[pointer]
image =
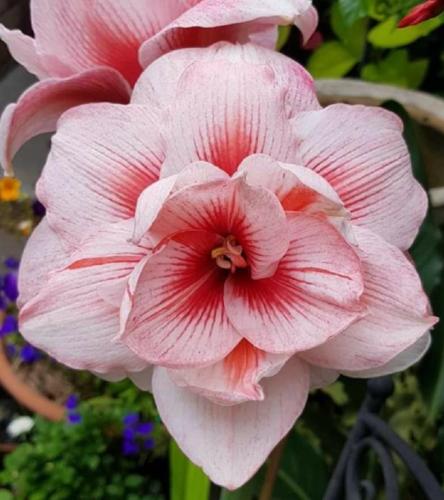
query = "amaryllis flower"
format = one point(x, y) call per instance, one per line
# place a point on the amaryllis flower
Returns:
point(422, 12)
point(93, 51)
point(228, 244)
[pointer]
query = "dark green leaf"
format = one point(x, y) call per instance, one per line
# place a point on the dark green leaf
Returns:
point(352, 10)
point(352, 36)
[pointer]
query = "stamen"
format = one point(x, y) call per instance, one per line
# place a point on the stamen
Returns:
point(229, 255)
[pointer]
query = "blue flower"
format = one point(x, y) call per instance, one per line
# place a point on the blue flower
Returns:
point(74, 418)
point(10, 286)
point(131, 419)
point(145, 428)
point(72, 402)
point(29, 354)
point(12, 263)
point(9, 326)
point(2, 300)
point(148, 444)
point(130, 448)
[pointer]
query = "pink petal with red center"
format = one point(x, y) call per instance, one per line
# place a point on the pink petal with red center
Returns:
point(235, 379)
point(161, 81)
point(313, 296)
point(234, 20)
point(253, 216)
point(299, 189)
point(70, 319)
point(176, 315)
point(362, 154)
point(86, 34)
point(103, 156)
point(398, 312)
point(151, 201)
point(39, 108)
point(230, 443)
point(43, 254)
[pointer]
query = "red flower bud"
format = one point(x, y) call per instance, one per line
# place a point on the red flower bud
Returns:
point(422, 12)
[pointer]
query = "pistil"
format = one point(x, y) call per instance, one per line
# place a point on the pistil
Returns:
point(229, 255)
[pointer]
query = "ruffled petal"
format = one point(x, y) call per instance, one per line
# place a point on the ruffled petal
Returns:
point(230, 443)
point(39, 108)
point(398, 312)
point(253, 216)
point(103, 33)
point(43, 254)
point(314, 294)
point(103, 156)
point(233, 380)
point(70, 319)
point(176, 315)
point(237, 21)
point(361, 152)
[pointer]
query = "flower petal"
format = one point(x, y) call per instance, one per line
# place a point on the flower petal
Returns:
point(400, 362)
point(398, 311)
point(70, 319)
point(314, 294)
point(239, 21)
point(363, 155)
point(231, 442)
point(252, 215)
point(102, 33)
point(43, 254)
point(103, 156)
point(39, 108)
point(177, 315)
point(233, 380)
point(161, 81)
point(151, 201)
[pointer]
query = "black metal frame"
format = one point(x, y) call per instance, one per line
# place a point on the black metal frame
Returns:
point(372, 433)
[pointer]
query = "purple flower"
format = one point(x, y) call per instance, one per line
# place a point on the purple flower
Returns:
point(12, 263)
point(2, 300)
point(72, 402)
point(9, 326)
point(11, 350)
point(74, 418)
point(38, 209)
point(128, 433)
point(10, 286)
point(148, 444)
point(29, 354)
point(130, 448)
point(131, 419)
point(145, 428)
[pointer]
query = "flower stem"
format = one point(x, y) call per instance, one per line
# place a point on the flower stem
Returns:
point(272, 470)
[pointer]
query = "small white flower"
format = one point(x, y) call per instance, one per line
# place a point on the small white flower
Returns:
point(19, 425)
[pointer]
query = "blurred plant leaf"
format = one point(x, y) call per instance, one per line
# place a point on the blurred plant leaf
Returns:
point(387, 35)
point(187, 481)
point(331, 60)
point(383, 9)
point(427, 249)
point(396, 69)
point(284, 35)
point(352, 10)
point(303, 474)
point(353, 36)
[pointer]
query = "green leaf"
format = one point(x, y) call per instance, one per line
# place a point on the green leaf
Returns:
point(387, 35)
point(396, 69)
point(6, 495)
point(352, 10)
point(331, 60)
point(187, 481)
point(353, 36)
point(284, 35)
point(303, 474)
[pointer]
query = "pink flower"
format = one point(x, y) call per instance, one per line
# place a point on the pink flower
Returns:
point(87, 51)
point(229, 244)
point(422, 12)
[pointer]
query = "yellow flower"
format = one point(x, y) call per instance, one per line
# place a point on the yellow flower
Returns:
point(9, 189)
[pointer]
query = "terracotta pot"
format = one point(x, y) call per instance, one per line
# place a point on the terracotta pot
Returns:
point(24, 394)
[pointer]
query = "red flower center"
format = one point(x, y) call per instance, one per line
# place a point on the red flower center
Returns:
point(229, 255)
